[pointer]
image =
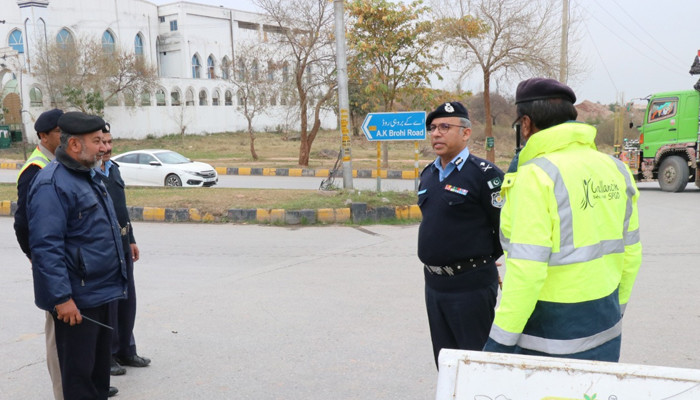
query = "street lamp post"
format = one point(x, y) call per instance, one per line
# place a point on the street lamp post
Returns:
point(343, 97)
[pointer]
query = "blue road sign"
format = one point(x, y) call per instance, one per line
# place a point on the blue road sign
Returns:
point(395, 126)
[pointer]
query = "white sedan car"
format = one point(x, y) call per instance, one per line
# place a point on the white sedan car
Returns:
point(164, 168)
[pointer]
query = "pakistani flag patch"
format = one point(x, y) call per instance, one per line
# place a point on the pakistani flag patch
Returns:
point(495, 183)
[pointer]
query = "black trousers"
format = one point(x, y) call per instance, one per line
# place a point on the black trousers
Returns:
point(461, 308)
point(123, 313)
point(84, 355)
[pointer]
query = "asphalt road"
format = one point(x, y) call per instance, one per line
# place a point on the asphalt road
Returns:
point(279, 182)
point(336, 312)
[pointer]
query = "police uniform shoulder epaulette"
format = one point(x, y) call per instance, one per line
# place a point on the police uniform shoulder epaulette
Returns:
point(483, 165)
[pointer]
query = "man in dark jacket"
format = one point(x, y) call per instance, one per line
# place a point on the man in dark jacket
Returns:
point(49, 134)
point(123, 311)
point(78, 262)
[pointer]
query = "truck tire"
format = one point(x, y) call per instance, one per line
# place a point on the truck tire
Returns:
point(673, 174)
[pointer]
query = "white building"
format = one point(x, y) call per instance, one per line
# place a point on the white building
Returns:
point(190, 44)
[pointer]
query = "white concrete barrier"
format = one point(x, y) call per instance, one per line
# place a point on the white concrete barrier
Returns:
point(471, 375)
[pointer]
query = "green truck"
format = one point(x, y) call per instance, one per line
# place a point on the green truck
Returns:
point(668, 149)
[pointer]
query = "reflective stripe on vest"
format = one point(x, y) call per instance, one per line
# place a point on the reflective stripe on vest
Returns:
point(555, 346)
point(568, 253)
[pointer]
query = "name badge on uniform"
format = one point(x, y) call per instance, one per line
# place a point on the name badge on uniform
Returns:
point(455, 189)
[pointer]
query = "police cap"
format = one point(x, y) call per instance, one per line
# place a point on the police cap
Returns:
point(79, 123)
point(47, 121)
point(541, 89)
point(451, 109)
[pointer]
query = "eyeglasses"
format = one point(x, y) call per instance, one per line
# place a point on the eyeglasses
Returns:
point(442, 128)
point(516, 124)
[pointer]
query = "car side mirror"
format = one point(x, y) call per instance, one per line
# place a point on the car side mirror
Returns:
point(155, 163)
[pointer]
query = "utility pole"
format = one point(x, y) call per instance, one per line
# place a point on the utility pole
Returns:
point(343, 97)
point(563, 59)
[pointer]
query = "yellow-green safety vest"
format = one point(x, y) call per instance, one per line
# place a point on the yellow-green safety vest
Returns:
point(570, 234)
point(36, 158)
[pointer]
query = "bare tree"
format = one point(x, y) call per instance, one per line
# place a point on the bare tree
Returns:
point(85, 75)
point(503, 38)
point(256, 78)
point(304, 31)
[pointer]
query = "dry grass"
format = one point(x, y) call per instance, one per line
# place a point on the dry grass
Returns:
point(218, 200)
point(279, 151)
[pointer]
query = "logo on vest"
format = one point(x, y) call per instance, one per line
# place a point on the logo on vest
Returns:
point(598, 191)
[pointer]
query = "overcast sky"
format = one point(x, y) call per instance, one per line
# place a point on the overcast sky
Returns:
point(632, 47)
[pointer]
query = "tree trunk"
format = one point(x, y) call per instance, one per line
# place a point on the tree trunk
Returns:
point(488, 126)
point(304, 150)
point(304, 144)
point(252, 140)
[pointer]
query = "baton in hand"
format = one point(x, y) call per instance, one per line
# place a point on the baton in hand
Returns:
point(55, 313)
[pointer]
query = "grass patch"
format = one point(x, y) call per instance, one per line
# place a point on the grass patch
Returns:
point(232, 149)
point(219, 200)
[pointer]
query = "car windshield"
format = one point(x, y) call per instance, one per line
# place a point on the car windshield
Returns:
point(171, 157)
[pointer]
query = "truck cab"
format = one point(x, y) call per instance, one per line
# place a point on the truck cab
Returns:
point(668, 140)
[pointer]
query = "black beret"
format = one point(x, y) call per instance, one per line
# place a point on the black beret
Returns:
point(541, 89)
point(451, 109)
point(78, 123)
point(47, 121)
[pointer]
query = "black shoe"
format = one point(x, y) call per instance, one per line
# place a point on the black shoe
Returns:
point(134, 361)
point(116, 369)
point(112, 391)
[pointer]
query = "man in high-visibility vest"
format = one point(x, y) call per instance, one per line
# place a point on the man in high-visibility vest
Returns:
point(46, 127)
point(49, 134)
point(570, 233)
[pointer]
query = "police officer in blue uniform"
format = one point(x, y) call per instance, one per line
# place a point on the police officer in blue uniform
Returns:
point(123, 311)
point(459, 197)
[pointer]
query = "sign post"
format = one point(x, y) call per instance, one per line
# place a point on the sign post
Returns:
point(408, 125)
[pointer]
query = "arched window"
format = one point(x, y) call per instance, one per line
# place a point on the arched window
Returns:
point(241, 70)
point(202, 98)
point(254, 70)
point(35, 97)
point(129, 98)
point(225, 68)
point(189, 97)
point(210, 68)
point(215, 97)
point(196, 67)
point(175, 97)
point(63, 38)
point(270, 71)
point(160, 97)
point(138, 45)
point(228, 98)
point(16, 41)
point(285, 72)
point(108, 42)
point(146, 99)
